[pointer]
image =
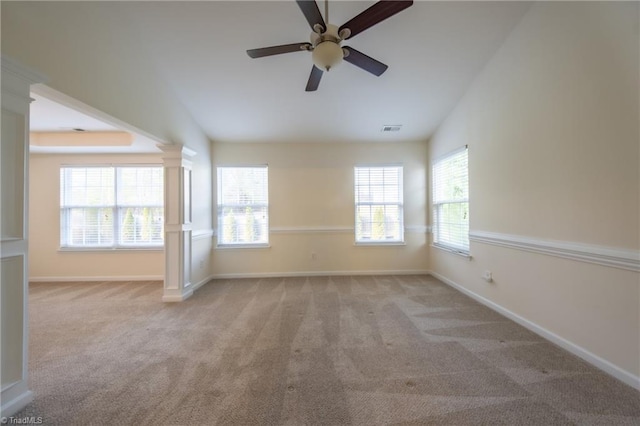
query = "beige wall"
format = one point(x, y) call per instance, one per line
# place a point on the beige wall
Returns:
point(552, 128)
point(311, 209)
point(46, 261)
point(118, 79)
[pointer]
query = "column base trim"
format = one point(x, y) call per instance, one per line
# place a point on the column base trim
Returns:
point(177, 297)
point(15, 404)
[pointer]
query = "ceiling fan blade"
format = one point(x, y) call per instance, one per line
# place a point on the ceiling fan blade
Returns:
point(314, 79)
point(377, 13)
point(310, 11)
point(365, 62)
point(277, 50)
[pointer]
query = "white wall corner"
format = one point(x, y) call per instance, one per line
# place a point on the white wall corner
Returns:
point(200, 283)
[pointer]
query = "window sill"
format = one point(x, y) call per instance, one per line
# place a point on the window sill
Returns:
point(379, 243)
point(109, 249)
point(242, 246)
point(452, 250)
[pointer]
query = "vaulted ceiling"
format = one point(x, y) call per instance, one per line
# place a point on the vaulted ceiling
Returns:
point(433, 50)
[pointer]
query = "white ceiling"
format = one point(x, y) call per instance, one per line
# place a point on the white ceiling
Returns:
point(433, 49)
point(50, 116)
point(47, 115)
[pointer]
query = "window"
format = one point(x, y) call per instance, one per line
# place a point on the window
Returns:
point(111, 207)
point(379, 212)
point(243, 206)
point(450, 191)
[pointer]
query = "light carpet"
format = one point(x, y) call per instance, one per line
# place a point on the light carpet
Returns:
point(366, 350)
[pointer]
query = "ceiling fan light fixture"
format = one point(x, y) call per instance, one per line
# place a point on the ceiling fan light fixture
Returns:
point(325, 38)
point(327, 55)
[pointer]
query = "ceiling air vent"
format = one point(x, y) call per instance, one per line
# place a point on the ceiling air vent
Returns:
point(391, 128)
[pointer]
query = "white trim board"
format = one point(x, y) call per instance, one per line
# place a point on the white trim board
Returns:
point(410, 229)
point(319, 274)
point(202, 234)
point(310, 229)
point(92, 279)
point(595, 360)
point(420, 229)
point(173, 298)
point(11, 407)
point(599, 255)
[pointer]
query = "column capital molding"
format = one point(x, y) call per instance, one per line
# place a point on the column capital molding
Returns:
point(176, 152)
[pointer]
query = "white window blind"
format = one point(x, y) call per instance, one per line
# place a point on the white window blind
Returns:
point(379, 204)
point(450, 192)
point(243, 205)
point(111, 207)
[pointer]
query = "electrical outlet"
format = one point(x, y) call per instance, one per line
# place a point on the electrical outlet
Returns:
point(487, 276)
point(314, 255)
point(201, 264)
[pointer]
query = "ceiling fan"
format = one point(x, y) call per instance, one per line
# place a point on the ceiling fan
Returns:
point(326, 38)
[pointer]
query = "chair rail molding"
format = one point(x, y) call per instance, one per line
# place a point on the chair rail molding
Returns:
point(310, 229)
point(599, 255)
point(335, 229)
point(202, 234)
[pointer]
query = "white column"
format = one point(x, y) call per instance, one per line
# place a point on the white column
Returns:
point(177, 222)
point(14, 272)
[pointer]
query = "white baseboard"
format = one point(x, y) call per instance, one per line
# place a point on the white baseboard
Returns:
point(579, 351)
point(177, 297)
point(106, 278)
point(15, 404)
point(317, 274)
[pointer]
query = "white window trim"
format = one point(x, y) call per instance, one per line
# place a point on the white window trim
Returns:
point(401, 240)
point(241, 245)
point(462, 253)
point(110, 249)
point(451, 248)
point(116, 225)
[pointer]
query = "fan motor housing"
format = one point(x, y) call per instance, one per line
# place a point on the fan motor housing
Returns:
point(331, 34)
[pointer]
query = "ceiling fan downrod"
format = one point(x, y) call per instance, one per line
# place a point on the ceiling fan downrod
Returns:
point(326, 11)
